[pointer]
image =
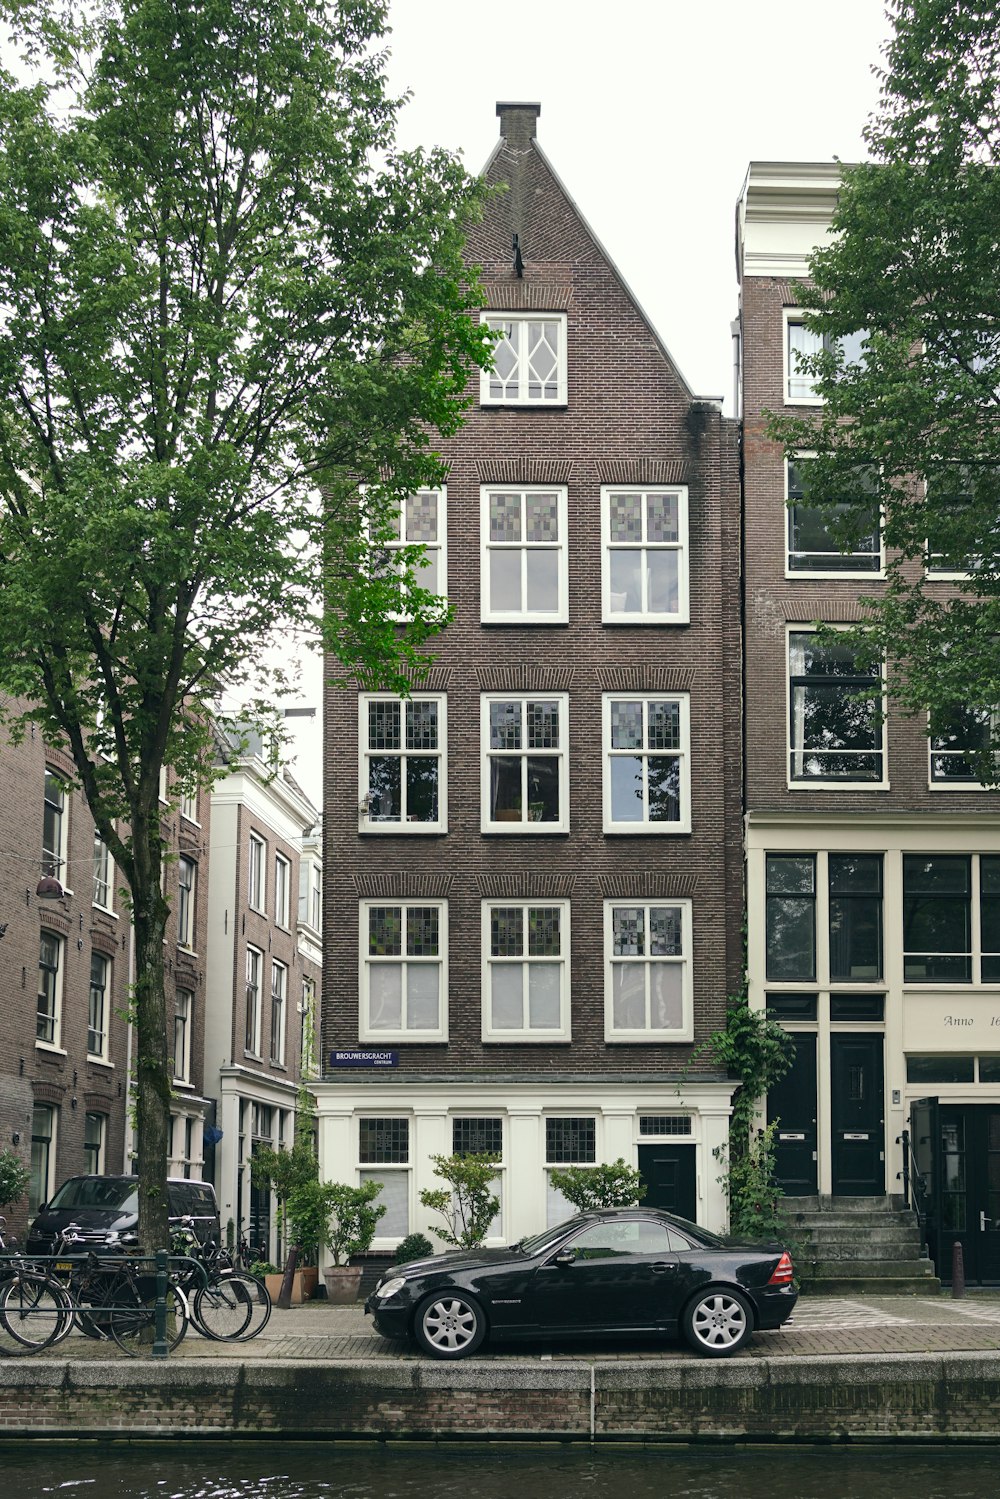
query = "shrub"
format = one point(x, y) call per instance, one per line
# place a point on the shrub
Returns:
point(467, 1204)
point(609, 1186)
point(352, 1218)
point(14, 1178)
point(755, 1199)
point(413, 1247)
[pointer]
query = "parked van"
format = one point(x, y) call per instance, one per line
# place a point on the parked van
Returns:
point(106, 1208)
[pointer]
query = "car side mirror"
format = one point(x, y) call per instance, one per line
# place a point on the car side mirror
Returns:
point(564, 1257)
point(42, 1206)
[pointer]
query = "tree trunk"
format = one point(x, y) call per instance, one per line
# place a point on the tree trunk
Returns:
point(152, 1069)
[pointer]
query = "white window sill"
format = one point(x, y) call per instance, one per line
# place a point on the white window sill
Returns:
point(532, 1038)
point(557, 617)
point(401, 1038)
point(947, 786)
point(560, 403)
point(803, 400)
point(257, 910)
point(809, 575)
point(186, 952)
point(105, 910)
point(180, 1082)
point(645, 619)
point(639, 1038)
point(253, 1056)
point(51, 1048)
point(96, 1061)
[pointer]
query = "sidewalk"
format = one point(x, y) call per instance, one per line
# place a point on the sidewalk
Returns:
point(820, 1327)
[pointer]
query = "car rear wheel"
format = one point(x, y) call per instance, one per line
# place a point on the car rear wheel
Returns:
point(718, 1322)
point(451, 1325)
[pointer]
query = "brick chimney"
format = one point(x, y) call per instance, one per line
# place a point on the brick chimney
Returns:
point(517, 123)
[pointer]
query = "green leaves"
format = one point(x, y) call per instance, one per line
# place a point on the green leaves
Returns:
point(614, 1185)
point(912, 261)
point(467, 1203)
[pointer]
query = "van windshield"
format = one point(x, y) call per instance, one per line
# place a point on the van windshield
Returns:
point(98, 1192)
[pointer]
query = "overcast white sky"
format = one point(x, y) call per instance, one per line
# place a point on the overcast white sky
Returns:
point(651, 111)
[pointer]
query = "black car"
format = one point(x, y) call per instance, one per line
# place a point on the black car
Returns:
point(611, 1271)
point(104, 1209)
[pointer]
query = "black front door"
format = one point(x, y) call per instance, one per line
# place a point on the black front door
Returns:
point(669, 1173)
point(857, 1119)
point(792, 1102)
point(969, 1188)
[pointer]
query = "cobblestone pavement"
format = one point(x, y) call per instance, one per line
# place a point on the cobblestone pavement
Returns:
point(820, 1326)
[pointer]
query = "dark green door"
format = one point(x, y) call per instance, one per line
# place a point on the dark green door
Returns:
point(671, 1182)
point(792, 1102)
point(969, 1183)
point(857, 1110)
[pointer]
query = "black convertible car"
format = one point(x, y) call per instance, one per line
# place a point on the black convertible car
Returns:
point(612, 1271)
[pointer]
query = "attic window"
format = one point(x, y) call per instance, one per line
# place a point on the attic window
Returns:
point(529, 361)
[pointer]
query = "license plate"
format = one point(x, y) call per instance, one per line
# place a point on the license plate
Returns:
point(64, 1264)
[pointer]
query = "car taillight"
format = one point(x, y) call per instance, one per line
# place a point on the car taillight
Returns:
point(783, 1273)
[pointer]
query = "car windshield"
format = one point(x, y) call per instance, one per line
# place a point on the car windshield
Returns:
point(98, 1192)
point(546, 1237)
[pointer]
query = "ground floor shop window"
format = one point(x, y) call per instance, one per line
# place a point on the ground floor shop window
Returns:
point(384, 1157)
point(568, 1142)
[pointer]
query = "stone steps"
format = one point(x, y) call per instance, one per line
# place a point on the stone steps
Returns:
point(857, 1245)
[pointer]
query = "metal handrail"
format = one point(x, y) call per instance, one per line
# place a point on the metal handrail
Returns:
point(915, 1194)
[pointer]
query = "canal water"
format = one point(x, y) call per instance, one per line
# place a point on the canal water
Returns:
point(325, 1470)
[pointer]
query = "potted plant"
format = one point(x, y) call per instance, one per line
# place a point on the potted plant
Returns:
point(351, 1219)
point(308, 1217)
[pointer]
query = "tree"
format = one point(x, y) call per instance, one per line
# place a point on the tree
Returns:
point(913, 422)
point(616, 1185)
point(14, 1178)
point(223, 291)
point(467, 1203)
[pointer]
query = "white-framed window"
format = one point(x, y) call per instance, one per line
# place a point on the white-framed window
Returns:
point(94, 1129)
point(282, 889)
point(54, 820)
point(526, 969)
point(257, 873)
point(102, 873)
point(99, 1006)
point(569, 1141)
point(529, 360)
point(835, 732)
point(183, 1021)
point(423, 521)
point(404, 970)
point(187, 877)
point(384, 1157)
point(189, 805)
point(525, 769)
point(953, 740)
point(402, 780)
point(279, 1011)
point(647, 947)
point(524, 571)
point(799, 342)
point(812, 546)
point(48, 1025)
point(647, 762)
point(44, 1133)
point(255, 965)
point(644, 559)
point(955, 553)
point(482, 1135)
point(311, 894)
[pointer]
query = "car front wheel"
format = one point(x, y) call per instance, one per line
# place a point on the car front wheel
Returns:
point(718, 1322)
point(450, 1325)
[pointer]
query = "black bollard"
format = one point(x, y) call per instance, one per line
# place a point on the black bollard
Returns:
point(957, 1272)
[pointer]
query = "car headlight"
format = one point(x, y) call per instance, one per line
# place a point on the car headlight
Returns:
point(390, 1287)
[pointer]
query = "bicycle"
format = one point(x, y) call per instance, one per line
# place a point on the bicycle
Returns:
point(33, 1310)
point(228, 1305)
point(116, 1297)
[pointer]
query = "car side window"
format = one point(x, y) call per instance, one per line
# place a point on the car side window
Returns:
point(610, 1240)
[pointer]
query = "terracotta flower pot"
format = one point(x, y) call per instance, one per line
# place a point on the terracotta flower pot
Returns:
point(343, 1282)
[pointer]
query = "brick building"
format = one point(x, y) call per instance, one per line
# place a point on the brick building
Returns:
point(873, 856)
point(533, 889)
point(65, 1045)
point(263, 974)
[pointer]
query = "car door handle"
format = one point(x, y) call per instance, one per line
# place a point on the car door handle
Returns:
point(662, 1267)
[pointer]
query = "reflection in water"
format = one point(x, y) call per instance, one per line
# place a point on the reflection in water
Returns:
point(326, 1470)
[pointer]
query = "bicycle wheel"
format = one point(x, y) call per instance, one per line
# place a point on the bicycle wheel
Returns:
point(33, 1313)
point(132, 1318)
point(223, 1309)
point(260, 1303)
